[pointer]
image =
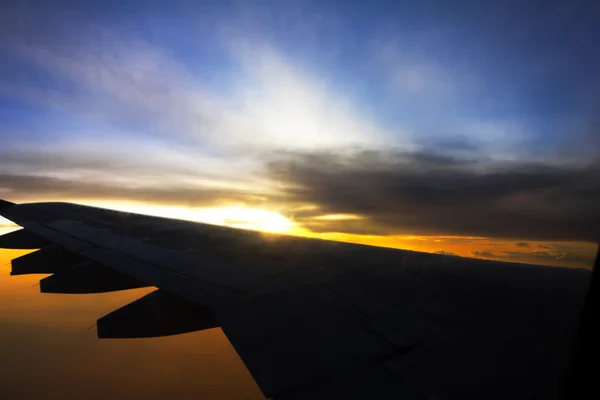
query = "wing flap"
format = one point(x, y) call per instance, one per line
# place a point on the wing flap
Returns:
point(48, 260)
point(88, 277)
point(156, 314)
point(22, 240)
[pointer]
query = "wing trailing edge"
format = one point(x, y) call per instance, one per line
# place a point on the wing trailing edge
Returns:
point(88, 277)
point(156, 314)
point(48, 260)
point(22, 240)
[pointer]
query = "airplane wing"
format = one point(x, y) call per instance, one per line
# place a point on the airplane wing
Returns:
point(315, 319)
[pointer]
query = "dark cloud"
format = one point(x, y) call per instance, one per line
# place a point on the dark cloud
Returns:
point(535, 255)
point(356, 226)
point(539, 257)
point(545, 246)
point(566, 258)
point(445, 253)
point(426, 193)
point(463, 240)
point(523, 244)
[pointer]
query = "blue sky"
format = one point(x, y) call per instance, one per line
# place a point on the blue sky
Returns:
point(211, 103)
point(513, 76)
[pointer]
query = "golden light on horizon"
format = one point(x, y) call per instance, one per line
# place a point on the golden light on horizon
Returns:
point(572, 254)
point(338, 217)
point(235, 216)
point(247, 218)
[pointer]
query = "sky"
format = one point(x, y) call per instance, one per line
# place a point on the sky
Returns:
point(462, 127)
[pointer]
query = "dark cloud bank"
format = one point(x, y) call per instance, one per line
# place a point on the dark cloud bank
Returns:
point(425, 193)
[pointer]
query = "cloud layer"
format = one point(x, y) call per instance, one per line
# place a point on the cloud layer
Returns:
point(368, 192)
point(423, 193)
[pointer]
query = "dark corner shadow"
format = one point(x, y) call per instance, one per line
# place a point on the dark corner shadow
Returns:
point(582, 374)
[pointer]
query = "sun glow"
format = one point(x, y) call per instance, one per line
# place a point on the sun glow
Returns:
point(247, 218)
point(233, 216)
point(337, 217)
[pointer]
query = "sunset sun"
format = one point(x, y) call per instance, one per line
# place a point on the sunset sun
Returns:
point(247, 218)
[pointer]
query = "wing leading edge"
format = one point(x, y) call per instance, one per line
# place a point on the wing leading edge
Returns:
point(319, 319)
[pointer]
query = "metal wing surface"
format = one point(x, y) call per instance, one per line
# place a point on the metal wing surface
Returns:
point(315, 319)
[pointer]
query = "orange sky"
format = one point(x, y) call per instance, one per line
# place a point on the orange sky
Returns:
point(48, 350)
point(564, 254)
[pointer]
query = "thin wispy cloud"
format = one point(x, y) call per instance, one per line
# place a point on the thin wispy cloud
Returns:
point(134, 86)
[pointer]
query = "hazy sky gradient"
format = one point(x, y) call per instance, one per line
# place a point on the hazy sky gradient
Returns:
point(417, 118)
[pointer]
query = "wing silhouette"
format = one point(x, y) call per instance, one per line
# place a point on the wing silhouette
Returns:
point(316, 319)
